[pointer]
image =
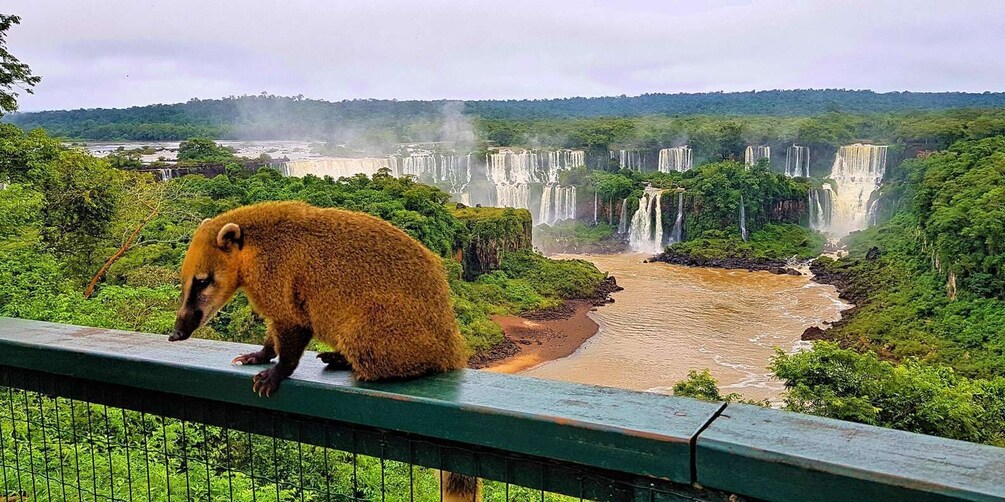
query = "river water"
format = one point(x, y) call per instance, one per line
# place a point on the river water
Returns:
point(671, 319)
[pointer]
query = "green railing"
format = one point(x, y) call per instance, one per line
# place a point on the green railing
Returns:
point(93, 414)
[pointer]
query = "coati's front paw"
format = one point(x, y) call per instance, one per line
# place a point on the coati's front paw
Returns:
point(266, 382)
point(252, 358)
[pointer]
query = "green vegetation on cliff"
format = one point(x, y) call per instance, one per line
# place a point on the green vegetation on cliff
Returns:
point(492, 232)
point(773, 242)
point(930, 283)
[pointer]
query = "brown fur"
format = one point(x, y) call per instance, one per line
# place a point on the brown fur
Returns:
point(459, 488)
point(364, 287)
point(378, 297)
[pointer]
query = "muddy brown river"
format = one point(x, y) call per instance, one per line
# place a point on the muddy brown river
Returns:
point(671, 319)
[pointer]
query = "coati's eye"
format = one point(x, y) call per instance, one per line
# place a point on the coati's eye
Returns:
point(201, 283)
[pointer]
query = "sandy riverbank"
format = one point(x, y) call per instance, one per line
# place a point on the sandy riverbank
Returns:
point(532, 341)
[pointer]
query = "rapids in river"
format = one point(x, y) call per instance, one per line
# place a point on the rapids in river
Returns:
point(671, 319)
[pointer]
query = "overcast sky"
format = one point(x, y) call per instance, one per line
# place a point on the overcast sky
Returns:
point(115, 53)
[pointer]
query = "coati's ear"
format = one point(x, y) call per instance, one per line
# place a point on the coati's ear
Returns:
point(228, 236)
point(203, 222)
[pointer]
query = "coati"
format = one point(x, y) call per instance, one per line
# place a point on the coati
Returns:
point(367, 289)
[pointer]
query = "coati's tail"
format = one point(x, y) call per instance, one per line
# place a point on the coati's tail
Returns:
point(460, 488)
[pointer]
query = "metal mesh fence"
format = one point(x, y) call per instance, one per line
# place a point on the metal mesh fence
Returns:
point(66, 439)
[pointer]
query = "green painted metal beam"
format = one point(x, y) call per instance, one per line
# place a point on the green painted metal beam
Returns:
point(618, 430)
point(757, 452)
point(776, 455)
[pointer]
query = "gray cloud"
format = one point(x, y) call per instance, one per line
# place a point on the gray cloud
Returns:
point(114, 53)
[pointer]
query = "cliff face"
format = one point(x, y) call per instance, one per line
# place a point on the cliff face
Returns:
point(788, 211)
point(492, 232)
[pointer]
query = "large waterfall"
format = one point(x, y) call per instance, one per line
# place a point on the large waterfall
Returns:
point(338, 167)
point(676, 159)
point(797, 161)
point(677, 234)
point(453, 171)
point(557, 203)
point(857, 172)
point(630, 159)
point(755, 153)
point(646, 233)
point(529, 166)
point(512, 171)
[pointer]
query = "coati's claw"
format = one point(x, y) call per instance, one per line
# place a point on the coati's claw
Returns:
point(250, 359)
point(266, 382)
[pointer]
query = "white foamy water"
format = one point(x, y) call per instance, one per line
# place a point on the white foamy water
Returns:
point(671, 319)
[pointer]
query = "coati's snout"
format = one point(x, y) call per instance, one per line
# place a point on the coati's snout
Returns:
point(209, 276)
point(186, 323)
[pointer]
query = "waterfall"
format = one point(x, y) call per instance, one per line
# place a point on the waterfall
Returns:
point(629, 159)
point(676, 159)
point(677, 235)
point(452, 171)
point(558, 203)
point(623, 224)
point(743, 220)
point(547, 206)
point(871, 215)
point(595, 197)
point(857, 172)
point(797, 161)
point(820, 207)
point(570, 202)
point(645, 234)
point(338, 167)
point(516, 195)
point(166, 174)
point(513, 171)
point(562, 160)
point(755, 153)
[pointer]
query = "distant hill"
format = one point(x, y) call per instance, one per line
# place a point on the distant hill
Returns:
point(276, 117)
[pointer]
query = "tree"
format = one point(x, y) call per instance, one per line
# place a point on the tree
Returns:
point(14, 75)
point(203, 150)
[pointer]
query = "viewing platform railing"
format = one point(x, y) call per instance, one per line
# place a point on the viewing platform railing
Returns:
point(95, 414)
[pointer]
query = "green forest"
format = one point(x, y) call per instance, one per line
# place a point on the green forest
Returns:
point(808, 117)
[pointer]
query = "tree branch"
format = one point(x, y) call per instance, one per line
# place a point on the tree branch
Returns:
point(118, 254)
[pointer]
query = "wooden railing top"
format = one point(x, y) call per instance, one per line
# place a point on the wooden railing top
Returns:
point(758, 452)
